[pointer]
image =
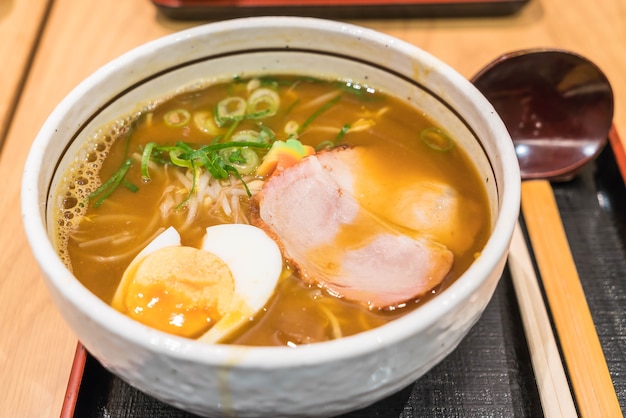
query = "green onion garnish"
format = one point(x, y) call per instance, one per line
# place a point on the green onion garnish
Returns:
point(177, 118)
point(111, 184)
point(230, 109)
point(262, 103)
point(436, 139)
point(344, 130)
point(145, 158)
point(319, 111)
point(220, 160)
point(130, 186)
point(194, 183)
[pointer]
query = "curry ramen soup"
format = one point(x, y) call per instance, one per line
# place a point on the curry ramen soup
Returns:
point(203, 157)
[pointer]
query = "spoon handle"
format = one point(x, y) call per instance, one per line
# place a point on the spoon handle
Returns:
point(554, 391)
point(586, 365)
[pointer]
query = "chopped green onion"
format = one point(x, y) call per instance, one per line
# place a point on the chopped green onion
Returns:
point(436, 139)
point(130, 186)
point(241, 158)
point(253, 84)
point(111, 184)
point(319, 111)
point(270, 82)
point(234, 155)
point(194, 182)
point(201, 157)
point(263, 103)
point(344, 130)
point(177, 118)
point(324, 145)
point(215, 165)
point(261, 114)
point(244, 160)
point(236, 174)
point(247, 135)
point(214, 147)
point(184, 147)
point(177, 157)
point(332, 144)
point(292, 105)
point(230, 109)
point(266, 135)
point(145, 160)
point(231, 130)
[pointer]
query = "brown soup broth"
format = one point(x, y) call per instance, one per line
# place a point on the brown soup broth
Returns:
point(98, 243)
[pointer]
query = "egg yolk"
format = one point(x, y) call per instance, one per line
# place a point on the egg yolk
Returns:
point(180, 290)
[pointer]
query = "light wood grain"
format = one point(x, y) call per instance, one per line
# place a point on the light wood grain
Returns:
point(20, 23)
point(554, 392)
point(36, 348)
point(586, 365)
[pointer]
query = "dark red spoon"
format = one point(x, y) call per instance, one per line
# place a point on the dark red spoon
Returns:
point(557, 106)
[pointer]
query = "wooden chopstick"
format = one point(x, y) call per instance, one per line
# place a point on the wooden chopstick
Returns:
point(554, 392)
point(586, 365)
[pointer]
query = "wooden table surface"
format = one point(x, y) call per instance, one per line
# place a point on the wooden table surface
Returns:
point(49, 46)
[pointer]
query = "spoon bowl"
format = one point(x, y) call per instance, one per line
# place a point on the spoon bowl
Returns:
point(557, 106)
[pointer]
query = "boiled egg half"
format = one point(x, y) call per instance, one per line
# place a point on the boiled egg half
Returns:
point(204, 293)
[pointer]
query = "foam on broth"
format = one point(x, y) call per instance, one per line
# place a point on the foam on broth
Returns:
point(98, 243)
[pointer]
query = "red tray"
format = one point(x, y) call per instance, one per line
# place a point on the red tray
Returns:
point(378, 9)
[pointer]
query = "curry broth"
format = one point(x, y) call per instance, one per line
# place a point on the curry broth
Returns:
point(101, 242)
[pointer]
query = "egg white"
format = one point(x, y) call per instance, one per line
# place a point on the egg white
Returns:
point(253, 258)
point(256, 264)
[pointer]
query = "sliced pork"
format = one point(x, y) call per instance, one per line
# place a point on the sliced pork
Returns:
point(316, 214)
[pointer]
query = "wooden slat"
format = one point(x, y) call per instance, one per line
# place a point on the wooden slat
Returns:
point(554, 392)
point(20, 25)
point(586, 365)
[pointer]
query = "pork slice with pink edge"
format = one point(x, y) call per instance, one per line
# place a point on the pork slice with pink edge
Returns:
point(328, 235)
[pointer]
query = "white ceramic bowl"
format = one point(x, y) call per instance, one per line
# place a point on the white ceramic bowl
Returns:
point(317, 380)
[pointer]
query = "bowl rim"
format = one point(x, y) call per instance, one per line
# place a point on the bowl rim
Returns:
point(58, 276)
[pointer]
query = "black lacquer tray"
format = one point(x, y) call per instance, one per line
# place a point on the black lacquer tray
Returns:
point(490, 373)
